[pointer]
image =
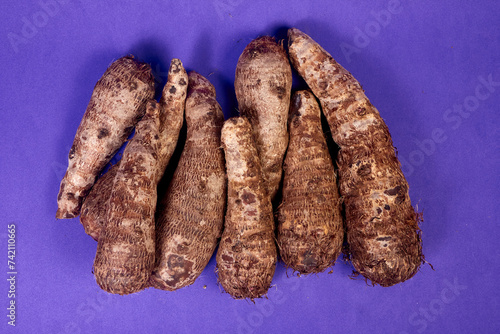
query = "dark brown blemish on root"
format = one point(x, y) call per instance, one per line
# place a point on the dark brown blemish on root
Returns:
point(182, 82)
point(365, 170)
point(70, 196)
point(133, 86)
point(227, 258)
point(280, 91)
point(175, 261)
point(393, 192)
point(72, 152)
point(379, 210)
point(399, 192)
point(248, 198)
point(172, 90)
point(387, 207)
point(361, 111)
point(103, 132)
point(384, 238)
point(182, 247)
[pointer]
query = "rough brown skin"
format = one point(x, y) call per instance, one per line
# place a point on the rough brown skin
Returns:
point(126, 245)
point(310, 227)
point(94, 208)
point(246, 258)
point(117, 103)
point(382, 226)
point(191, 215)
point(263, 83)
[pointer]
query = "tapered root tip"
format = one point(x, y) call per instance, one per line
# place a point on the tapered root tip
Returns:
point(176, 66)
point(199, 84)
point(62, 214)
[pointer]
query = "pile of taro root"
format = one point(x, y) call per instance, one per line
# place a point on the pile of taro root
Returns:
point(256, 185)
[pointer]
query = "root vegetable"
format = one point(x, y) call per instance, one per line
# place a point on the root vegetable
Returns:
point(117, 103)
point(382, 226)
point(310, 227)
point(190, 216)
point(263, 83)
point(94, 208)
point(126, 245)
point(246, 259)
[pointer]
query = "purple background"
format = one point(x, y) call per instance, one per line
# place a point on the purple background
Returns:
point(422, 66)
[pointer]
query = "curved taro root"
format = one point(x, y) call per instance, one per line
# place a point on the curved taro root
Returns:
point(310, 227)
point(126, 245)
point(117, 103)
point(246, 258)
point(382, 226)
point(95, 206)
point(191, 215)
point(263, 84)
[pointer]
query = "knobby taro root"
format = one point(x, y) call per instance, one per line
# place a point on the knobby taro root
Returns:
point(126, 244)
point(310, 227)
point(382, 226)
point(95, 206)
point(263, 83)
point(117, 103)
point(190, 216)
point(247, 254)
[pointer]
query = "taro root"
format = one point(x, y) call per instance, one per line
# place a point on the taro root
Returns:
point(310, 227)
point(117, 103)
point(247, 254)
point(126, 244)
point(381, 225)
point(263, 83)
point(191, 215)
point(172, 102)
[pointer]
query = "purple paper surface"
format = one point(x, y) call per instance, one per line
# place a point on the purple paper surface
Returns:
point(431, 68)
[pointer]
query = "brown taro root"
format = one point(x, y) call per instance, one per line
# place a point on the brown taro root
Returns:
point(382, 226)
point(310, 227)
point(247, 254)
point(117, 103)
point(190, 216)
point(126, 245)
point(94, 208)
point(263, 83)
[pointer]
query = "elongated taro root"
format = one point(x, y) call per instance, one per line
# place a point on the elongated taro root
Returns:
point(263, 83)
point(117, 103)
point(382, 226)
point(310, 227)
point(126, 245)
point(191, 215)
point(95, 206)
point(247, 254)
